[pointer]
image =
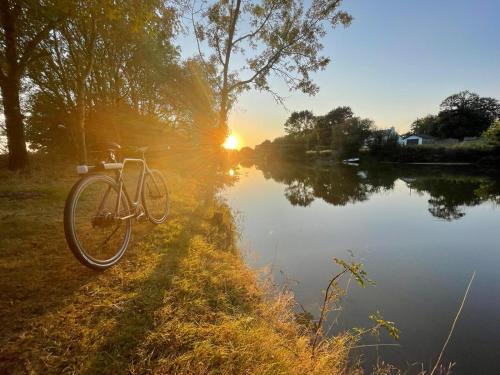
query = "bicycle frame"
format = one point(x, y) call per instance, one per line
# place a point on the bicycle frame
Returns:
point(135, 204)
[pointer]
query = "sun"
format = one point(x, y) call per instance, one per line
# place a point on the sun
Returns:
point(231, 142)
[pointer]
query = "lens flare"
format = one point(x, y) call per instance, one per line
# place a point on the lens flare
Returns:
point(231, 142)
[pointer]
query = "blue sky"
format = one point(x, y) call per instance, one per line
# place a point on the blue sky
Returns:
point(397, 61)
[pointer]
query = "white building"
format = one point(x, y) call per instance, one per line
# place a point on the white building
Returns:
point(417, 139)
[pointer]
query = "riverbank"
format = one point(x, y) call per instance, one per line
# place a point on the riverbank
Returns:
point(477, 152)
point(181, 301)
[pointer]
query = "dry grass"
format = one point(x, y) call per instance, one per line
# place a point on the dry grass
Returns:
point(181, 301)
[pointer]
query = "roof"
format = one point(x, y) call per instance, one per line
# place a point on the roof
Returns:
point(423, 136)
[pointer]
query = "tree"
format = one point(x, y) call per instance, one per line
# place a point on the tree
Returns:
point(426, 125)
point(337, 116)
point(467, 114)
point(383, 144)
point(23, 25)
point(300, 123)
point(492, 134)
point(327, 123)
point(102, 68)
point(272, 37)
point(349, 136)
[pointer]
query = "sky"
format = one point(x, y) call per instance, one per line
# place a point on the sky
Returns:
point(396, 62)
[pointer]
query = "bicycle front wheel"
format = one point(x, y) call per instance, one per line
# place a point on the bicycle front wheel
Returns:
point(96, 232)
point(155, 197)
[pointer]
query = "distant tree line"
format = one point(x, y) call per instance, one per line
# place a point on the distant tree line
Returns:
point(338, 130)
point(462, 115)
point(341, 134)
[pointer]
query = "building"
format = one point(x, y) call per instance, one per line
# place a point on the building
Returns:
point(417, 139)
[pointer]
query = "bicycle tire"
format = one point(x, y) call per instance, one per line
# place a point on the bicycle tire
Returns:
point(72, 236)
point(157, 211)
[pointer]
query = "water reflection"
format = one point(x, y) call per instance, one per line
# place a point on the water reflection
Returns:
point(420, 231)
point(450, 189)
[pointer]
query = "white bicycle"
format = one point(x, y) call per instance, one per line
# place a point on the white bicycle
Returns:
point(99, 211)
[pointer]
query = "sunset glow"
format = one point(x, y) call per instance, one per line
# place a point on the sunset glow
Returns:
point(231, 142)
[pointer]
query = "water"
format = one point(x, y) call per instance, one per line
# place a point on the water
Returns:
point(420, 231)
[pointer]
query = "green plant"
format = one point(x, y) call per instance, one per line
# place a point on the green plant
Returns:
point(492, 134)
point(334, 292)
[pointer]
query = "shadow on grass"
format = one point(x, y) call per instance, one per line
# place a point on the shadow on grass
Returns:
point(37, 270)
point(137, 319)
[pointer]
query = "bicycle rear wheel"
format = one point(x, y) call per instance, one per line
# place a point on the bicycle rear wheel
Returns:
point(155, 197)
point(94, 234)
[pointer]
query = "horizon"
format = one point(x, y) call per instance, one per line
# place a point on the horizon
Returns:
point(387, 68)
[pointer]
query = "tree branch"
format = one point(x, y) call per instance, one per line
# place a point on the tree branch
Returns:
point(30, 47)
point(270, 62)
point(217, 47)
point(198, 44)
point(274, 58)
point(254, 33)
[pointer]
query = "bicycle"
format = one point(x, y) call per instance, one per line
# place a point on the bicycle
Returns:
point(98, 212)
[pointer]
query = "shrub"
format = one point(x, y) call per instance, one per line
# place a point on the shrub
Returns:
point(492, 134)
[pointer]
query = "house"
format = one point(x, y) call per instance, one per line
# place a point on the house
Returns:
point(417, 139)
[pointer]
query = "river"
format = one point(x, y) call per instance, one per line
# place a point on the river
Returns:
point(420, 231)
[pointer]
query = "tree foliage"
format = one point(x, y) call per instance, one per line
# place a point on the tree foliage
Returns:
point(280, 38)
point(23, 26)
point(336, 116)
point(462, 115)
point(426, 125)
point(99, 67)
point(467, 114)
point(110, 72)
point(350, 135)
point(300, 122)
point(328, 122)
point(102, 60)
point(492, 135)
point(339, 130)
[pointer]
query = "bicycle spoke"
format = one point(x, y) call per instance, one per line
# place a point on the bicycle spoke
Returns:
point(95, 228)
point(110, 235)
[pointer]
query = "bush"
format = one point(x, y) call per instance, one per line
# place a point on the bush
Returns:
point(435, 154)
point(492, 134)
point(383, 146)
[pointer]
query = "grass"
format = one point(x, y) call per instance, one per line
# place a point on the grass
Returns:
point(181, 301)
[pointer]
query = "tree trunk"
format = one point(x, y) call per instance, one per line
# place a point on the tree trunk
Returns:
point(80, 122)
point(10, 76)
point(18, 154)
point(224, 105)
